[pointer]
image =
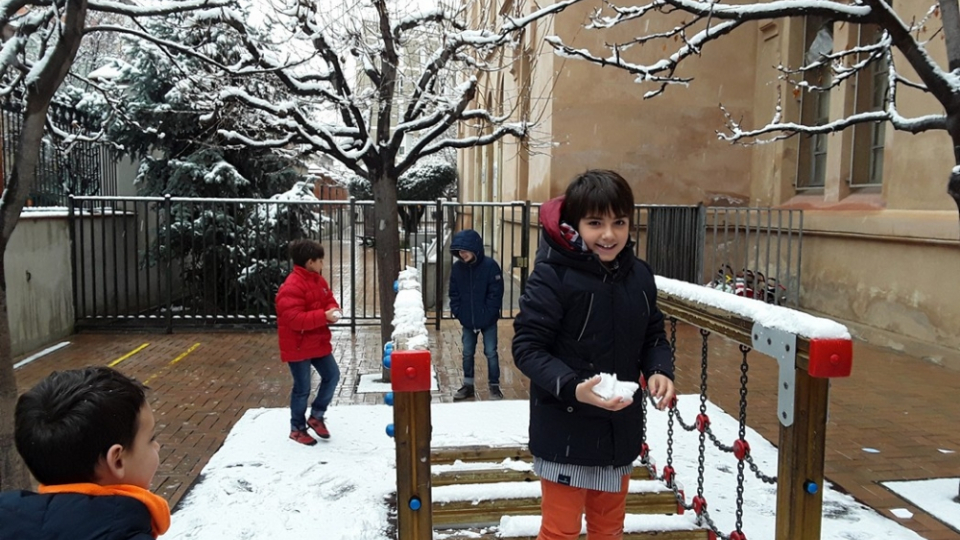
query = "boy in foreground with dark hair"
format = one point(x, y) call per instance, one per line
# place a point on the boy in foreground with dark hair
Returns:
point(87, 436)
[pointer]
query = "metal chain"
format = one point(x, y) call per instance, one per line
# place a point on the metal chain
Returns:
point(756, 470)
point(672, 412)
point(683, 424)
point(713, 526)
point(670, 415)
point(701, 446)
point(744, 366)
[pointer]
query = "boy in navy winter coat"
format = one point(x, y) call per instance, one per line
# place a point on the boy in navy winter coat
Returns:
point(87, 436)
point(589, 307)
point(476, 293)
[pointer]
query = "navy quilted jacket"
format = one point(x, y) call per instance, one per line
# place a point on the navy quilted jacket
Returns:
point(476, 288)
point(577, 319)
point(25, 515)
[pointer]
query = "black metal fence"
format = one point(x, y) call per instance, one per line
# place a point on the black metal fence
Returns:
point(85, 168)
point(183, 262)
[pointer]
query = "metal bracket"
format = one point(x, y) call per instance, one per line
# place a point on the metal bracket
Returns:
point(781, 345)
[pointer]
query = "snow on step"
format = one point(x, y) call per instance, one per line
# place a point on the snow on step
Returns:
point(519, 490)
point(528, 526)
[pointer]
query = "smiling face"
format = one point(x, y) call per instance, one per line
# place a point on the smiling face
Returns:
point(605, 235)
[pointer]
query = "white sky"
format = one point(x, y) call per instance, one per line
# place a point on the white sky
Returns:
point(262, 485)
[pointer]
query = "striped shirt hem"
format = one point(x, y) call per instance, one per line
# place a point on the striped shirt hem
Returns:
point(606, 478)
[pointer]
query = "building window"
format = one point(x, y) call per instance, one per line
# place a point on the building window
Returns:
point(814, 106)
point(866, 167)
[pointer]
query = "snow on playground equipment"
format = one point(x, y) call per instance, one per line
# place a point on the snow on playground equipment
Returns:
point(809, 351)
point(408, 360)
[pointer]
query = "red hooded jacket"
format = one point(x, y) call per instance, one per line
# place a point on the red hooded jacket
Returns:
point(302, 303)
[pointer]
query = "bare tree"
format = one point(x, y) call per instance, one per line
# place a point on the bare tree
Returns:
point(377, 87)
point(43, 40)
point(704, 22)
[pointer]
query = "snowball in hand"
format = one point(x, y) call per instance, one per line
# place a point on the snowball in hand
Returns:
point(609, 387)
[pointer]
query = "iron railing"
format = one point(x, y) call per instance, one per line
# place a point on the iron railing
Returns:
point(173, 262)
point(86, 168)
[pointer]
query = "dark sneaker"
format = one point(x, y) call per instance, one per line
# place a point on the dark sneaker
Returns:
point(465, 392)
point(302, 437)
point(317, 425)
point(495, 393)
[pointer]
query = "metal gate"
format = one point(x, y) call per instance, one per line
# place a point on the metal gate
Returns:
point(172, 262)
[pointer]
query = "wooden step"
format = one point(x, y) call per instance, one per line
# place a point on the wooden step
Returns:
point(481, 476)
point(636, 527)
point(479, 453)
point(466, 513)
point(493, 474)
point(485, 534)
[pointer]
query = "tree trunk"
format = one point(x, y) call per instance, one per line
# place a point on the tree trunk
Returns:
point(387, 237)
point(953, 185)
point(39, 92)
point(13, 473)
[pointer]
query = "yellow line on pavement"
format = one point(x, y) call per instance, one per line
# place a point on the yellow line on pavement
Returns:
point(128, 355)
point(172, 362)
point(184, 355)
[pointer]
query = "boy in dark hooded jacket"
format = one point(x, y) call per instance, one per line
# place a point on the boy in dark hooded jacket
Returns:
point(87, 435)
point(476, 293)
point(589, 307)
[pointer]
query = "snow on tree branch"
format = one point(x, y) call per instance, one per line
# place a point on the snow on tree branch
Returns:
point(717, 19)
point(153, 8)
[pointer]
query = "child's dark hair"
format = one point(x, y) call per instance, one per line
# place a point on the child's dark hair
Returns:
point(597, 192)
point(65, 424)
point(303, 251)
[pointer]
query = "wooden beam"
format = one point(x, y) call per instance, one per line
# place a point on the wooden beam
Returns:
point(411, 419)
point(488, 512)
point(503, 474)
point(801, 456)
point(472, 534)
point(473, 454)
point(719, 321)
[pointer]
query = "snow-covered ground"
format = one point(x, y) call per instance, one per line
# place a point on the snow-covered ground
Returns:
point(260, 485)
point(936, 496)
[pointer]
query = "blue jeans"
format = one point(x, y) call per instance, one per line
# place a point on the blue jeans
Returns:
point(489, 350)
point(329, 377)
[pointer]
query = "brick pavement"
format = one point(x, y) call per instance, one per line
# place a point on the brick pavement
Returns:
point(203, 382)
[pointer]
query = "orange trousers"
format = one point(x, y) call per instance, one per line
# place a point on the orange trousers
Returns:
point(563, 508)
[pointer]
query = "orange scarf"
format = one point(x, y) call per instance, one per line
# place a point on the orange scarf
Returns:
point(158, 507)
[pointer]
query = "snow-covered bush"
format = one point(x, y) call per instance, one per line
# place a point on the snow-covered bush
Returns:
point(164, 109)
point(425, 181)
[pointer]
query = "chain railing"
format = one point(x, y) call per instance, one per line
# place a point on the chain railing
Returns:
point(809, 351)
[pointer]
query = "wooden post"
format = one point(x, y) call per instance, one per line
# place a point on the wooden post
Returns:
point(411, 417)
point(410, 380)
point(801, 456)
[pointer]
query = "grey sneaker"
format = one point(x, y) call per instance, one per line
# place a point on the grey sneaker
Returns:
point(465, 392)
point(495, 393)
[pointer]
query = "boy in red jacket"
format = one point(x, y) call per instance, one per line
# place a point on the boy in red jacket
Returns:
point(305, 309)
